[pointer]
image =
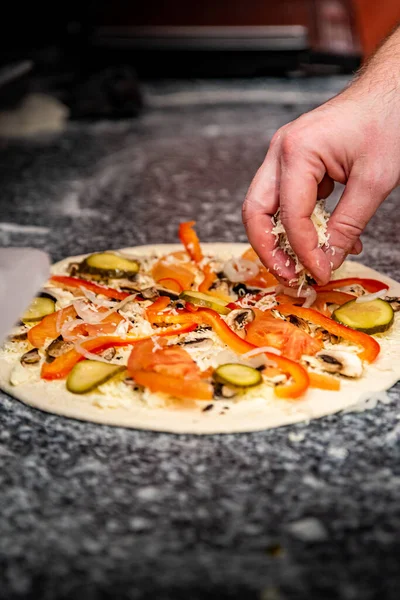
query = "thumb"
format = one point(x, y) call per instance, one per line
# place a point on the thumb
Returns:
point(359, 202)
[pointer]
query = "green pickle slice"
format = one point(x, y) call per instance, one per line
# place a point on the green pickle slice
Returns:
point(206, 300)
point(237, 375)
point(373, 316)
point(87, 375)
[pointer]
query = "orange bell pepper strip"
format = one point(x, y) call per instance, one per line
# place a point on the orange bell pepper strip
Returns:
point(171, 284)
point(158, 305)
point(50, 326)
point(65, 281)
point(371, 285)
point(323, 382)
point(189, 239)
point(209, 278)
point(62, 365)
point(300, 378)
point(193, 389)
point(369, 345)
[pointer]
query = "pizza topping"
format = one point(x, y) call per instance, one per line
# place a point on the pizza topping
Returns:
point(370, 347)
point(207, 300)
point(394, 303)
point(371, 285)
point(368, 297)
point(237, 375)
point(89, 374)
point(76, 284)
point(373, 316)
point(57, 347)
point(189, 239)
point(39, 308)
point(347, 364)
point(31, 357)
point(240, 269)
point(108, 265)
point(239, 318)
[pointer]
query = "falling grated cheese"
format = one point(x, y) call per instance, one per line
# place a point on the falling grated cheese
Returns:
point(319, 218)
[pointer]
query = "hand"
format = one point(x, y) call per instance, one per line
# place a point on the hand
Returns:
point(353, 139)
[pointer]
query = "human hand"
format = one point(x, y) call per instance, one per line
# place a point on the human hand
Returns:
point(353, 139)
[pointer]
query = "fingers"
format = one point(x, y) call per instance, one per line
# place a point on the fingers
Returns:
point(357, 205)
point(326, 187)
point(357, 248)
point(298, 195)
point(262, 201)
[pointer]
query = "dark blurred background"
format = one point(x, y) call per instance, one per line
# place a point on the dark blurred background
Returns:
point(93, 55)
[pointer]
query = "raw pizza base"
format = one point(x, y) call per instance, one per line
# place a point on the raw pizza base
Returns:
point(252, 414)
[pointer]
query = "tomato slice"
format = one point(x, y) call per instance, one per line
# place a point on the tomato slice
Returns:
point(194, 389)
point(168, 369)
point(169, 360)
point(49, 327)
point(264, 278)
point(266, 330)
point(63, 364)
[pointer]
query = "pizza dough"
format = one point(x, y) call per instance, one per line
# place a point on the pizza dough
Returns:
point(260, 410)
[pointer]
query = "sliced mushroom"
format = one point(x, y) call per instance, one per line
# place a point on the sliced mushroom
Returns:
point(73, 268)
point(221, 285)
point(109, 353)
point(30, 358)
point(238, 319)
point(201, 342)
point(58, 347)
point(224, 391)
point(337, 361)
point(394, 303)
point(326, 336)
point(19, 334)
point(241, 290)
point(300, 323)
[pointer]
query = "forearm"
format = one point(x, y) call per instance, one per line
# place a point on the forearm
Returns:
point(381, 72)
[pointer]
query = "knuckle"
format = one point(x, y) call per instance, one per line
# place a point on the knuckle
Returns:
point(291, 144)
point(349, 228)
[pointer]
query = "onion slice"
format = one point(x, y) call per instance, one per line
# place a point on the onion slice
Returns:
point(240, 269)
point(261, 350)
point(370, 297)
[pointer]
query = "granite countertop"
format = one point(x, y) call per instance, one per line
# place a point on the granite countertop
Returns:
point(89, 511)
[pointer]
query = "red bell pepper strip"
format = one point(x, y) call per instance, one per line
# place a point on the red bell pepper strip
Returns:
point(371, 285)
point(369, 345)
point(190, 240)
point(209, 278)
point(333, 297)
point(77, 283)
point(50, 326)
point(63, 364)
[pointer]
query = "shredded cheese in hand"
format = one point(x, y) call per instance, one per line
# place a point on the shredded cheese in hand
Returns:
point(319, 218)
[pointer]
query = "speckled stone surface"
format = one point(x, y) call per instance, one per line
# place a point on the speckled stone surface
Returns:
point(88, 511)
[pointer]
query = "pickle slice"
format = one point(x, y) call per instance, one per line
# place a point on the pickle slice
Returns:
point(374, 316)
point(87, 375)
point(206, 300)
point(39, 308)
point(237, 375)
point(109, 266)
